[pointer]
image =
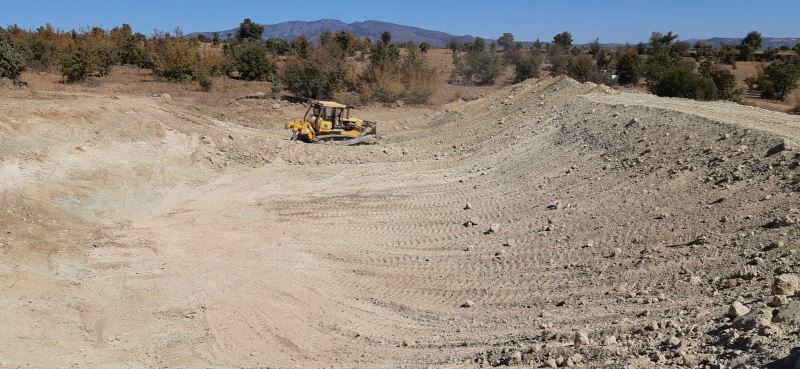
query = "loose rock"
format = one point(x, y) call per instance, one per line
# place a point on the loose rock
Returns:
point(786, 284)
point(737, 309)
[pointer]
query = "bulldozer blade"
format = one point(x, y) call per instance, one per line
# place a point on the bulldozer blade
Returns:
point(367, 140)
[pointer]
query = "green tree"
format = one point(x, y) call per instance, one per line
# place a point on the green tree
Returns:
point(629, 67)
point(76, 65)
point(251, 60)
point(583, 68)
point(777, 79)
point(660, 41)
point(215, 39)
point(506, 40)
point(316, 76)
point(479, 66)
point(750, 44)
point(248, 30)
point(12, 62)
point(563, 39)
point(527, 66)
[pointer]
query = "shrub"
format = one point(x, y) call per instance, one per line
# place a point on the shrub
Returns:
point(629, 68)
point(584, 69)
point(176, 59)
point(12, 63)
point(316, 76)
point(76, 65)
point(559, 60)
point(391, 77)
point(777, 79)
point(205, 81)
point(680, 81)
point(479, 66)
point(527, 66)
point(726, 84)
point(251, 60)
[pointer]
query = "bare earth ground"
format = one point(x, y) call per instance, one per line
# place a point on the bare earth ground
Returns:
point(605, 230)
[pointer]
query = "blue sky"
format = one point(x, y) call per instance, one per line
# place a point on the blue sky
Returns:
point(611, 21)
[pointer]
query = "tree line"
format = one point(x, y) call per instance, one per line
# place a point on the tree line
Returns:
point(669, 67)
point(326, 68)
point(342, 65)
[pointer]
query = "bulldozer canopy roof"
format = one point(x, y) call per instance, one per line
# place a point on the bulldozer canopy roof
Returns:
point(331, 104)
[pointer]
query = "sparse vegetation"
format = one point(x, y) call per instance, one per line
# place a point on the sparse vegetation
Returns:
point(478, 65)
point(527, 66)
point(343, 64)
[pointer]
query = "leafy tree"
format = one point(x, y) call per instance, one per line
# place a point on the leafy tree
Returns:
point(12, 62)
point(563, 39)
point(76, 65)
point(506, 40)
point(723, 79)
point(277, 45)
point(660, 41)
point(703, 50)
point(320, 74)
point(750, 44)
point(777, 79)
point(215, 39)
point(386, 38)
point(559, 59)
point(527, 66)
point(248, 30)
point(251, 60)
point(796, 48)
point(584, 69)
point(175, 58)
point(479, 44)
point(728, 54)
point(479, 66)
point(629, 67)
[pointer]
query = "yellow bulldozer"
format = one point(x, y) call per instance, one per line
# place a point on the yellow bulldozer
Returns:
point(328, 121)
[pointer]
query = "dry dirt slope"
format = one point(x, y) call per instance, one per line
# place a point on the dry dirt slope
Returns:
point(137, 234)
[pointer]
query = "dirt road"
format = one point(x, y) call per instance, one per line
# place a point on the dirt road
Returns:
point(551, 223)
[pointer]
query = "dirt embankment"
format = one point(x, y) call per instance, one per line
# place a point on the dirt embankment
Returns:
point(550, 223)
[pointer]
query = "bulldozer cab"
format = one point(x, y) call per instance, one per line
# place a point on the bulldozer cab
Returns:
point(328, 115)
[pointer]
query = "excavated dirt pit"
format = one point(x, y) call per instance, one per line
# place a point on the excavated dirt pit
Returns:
point(603, 230)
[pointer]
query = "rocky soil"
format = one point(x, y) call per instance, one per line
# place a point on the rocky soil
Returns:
point(550, 224)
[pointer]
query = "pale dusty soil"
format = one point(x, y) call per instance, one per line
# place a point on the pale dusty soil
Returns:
point(140, 233)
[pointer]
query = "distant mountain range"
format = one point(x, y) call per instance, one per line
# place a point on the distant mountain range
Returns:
point(370, 28)
point(769, 42)
point(401, 33)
